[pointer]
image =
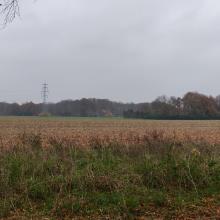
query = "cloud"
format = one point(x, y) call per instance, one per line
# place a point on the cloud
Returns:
point(124, 50)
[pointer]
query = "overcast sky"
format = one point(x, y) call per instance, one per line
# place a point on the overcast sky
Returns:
point(123, 50)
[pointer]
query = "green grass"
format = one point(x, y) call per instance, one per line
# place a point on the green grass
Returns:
point(106, 181)
point(63, 118)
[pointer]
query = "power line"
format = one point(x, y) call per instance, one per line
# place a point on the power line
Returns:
point(15, 91)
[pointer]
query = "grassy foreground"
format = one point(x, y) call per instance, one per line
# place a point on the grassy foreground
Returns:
point(157, 179)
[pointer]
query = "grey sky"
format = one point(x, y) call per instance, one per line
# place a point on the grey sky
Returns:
point(123, 50)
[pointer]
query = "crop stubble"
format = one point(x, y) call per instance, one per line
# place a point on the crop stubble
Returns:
point(80, 132)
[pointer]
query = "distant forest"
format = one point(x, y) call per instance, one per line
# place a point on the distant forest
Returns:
point(191, 106)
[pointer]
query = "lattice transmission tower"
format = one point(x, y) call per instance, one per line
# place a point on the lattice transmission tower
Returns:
point(44, 95)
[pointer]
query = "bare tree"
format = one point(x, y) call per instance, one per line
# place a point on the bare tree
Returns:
point(9, 9)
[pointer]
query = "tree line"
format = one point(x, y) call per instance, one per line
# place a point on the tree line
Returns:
point(79, 108)
point(192, 105)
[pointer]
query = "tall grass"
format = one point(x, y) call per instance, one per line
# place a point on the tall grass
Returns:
point(110, 179)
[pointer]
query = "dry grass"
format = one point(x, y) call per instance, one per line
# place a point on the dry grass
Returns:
point(106, 168)
point(76, 131)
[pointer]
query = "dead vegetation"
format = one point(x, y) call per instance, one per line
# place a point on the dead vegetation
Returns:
point(104, 169)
